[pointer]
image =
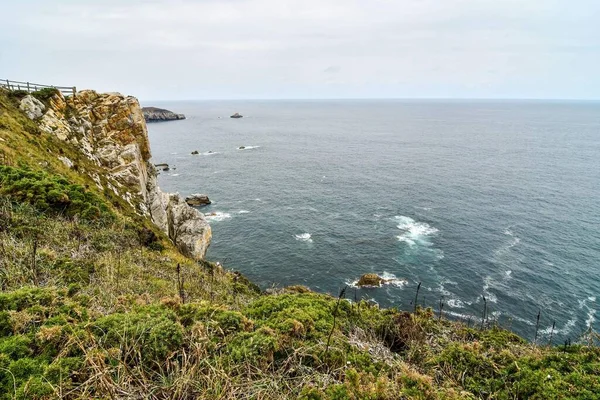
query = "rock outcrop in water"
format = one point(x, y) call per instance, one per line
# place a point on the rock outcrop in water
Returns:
point(370, 280)
point(197, 199)
point(110, 130)
point(154, 114)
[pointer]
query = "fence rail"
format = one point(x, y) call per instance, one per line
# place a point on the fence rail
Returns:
point(33, 87)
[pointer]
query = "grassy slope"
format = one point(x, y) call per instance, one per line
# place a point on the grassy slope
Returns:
point(91, 307)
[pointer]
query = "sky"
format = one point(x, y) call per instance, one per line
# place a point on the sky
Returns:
point(307, 49)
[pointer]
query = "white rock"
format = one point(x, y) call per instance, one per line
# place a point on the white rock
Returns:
point(32, 107)
point(66, 161)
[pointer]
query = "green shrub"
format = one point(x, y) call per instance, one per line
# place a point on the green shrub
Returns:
point(5, 324)
point(151, 332)
point(51, 194)
point(16, 347)
point(257, 347)
point(313, 311)
point(45, 94)
point(27, 297)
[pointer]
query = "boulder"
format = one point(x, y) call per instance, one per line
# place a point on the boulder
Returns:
point(370, 280)
point(32, 107)
point(241, 147)
point(197, 199)
point(195, 152)
point(237, 115)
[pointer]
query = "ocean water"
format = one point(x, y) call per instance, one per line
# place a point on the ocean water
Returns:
point(494, 199)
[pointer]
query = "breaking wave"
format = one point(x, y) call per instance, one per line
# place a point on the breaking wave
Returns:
point(304, 237)
point(414, 232)
point(217, 216)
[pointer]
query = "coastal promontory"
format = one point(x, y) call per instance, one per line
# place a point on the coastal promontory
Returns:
point(155, 114)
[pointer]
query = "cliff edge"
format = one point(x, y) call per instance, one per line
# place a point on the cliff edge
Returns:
point(110, 130)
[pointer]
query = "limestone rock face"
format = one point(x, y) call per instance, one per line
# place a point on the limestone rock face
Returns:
point(110, 130)
point(187, 228)
point(32, 107)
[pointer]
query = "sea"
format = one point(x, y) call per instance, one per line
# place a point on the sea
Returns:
point(491, 206)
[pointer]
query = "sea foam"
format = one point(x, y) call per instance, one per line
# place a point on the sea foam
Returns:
point(304, 237)
point(414, 232)
point(217, 216)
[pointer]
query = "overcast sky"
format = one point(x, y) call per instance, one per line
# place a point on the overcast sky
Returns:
point(222, 49)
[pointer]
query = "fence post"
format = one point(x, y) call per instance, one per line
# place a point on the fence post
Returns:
point(74, 91)
point(27, 87)
point(7, 84)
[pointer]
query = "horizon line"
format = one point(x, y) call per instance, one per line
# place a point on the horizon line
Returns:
point(380, 98)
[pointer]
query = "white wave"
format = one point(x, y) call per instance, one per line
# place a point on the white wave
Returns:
point(591, 317)
point(443, 290)
point(175, 175)
point(173, 153)
point(508, 273)
point(565, 330)
point(391, 279)
point(489, 296)
point(304, 237)
point(455, 303)
point(248, 147)
point(243, 212)
point(217, 216)
point(465, 317)
point(591, 312)
point(414, 232)
point(210, 153)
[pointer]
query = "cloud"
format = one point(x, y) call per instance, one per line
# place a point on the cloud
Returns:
point(267, 48)
point(333, 69)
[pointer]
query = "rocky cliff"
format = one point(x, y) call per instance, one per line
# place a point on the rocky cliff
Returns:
point(154, 114)
point(110, 130)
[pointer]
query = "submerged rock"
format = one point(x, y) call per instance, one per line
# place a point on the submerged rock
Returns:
point(154, 114)
point(197, 200)
point(370, 280)
point(195, 152)
point(241, 147)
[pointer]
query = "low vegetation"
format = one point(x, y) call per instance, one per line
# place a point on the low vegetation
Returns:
point(96, 303)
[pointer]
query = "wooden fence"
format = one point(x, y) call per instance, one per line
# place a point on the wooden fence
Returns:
point(33, 87)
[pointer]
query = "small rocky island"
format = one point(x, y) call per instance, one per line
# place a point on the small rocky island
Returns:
point(154, 114)
point(197, 199)
point(236, 115)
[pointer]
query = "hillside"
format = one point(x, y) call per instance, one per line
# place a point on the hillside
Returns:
point(106, 293)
